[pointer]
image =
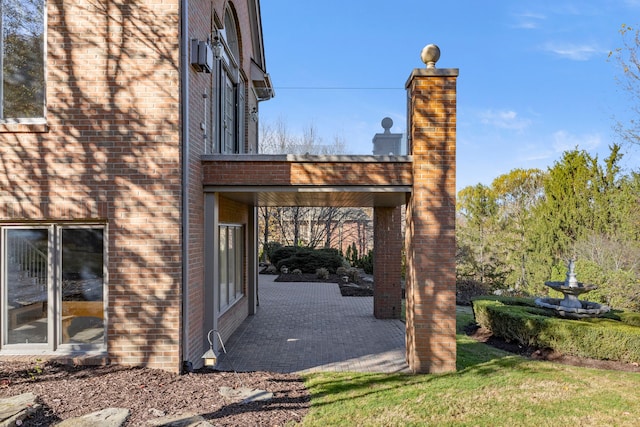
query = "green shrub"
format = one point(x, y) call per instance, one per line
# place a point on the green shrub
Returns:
point(467, 289)
point(309, 260)
point(354, 275)
point(285, 252)
point(342, 271)
point(322, 273)
point(599, 338)
point(366, 262)
point(268, 250)
point(628, 317)
point(297, 272)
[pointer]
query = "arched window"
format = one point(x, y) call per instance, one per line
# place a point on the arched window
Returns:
point(229, 102)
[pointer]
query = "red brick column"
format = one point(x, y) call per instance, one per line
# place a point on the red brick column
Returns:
point(387, 263)
point(430, 232)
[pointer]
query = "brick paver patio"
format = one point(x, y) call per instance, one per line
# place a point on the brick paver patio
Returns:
point(311, 327)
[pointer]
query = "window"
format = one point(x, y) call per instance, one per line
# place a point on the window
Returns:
point(52, 287)
point(231, 265)
point(229, 102)
point(22, 91)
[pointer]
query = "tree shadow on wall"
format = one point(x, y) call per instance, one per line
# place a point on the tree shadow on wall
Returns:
point(112, 155)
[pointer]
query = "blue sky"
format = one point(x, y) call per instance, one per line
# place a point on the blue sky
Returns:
point(535, 78)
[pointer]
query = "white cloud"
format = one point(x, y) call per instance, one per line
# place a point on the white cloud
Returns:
point(535, 157)
point(528, 20)
point(563, 141)
point(574, 52)
point(504, 119)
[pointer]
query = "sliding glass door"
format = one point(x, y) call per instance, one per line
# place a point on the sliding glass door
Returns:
point(52, 287)
point(27, 274)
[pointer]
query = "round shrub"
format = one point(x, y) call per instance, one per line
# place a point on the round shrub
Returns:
point(342, 271)
point(309, 260)
point(354, 275)
point(286, 252)
point(322, 273)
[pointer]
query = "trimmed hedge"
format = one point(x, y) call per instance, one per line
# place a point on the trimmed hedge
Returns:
point(306, 259)
point(520, 320)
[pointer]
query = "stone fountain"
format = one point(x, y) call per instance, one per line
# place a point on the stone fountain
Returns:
point(571, 306)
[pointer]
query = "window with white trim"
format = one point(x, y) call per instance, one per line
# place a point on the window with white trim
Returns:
point(52, 286)
point(22, 60)
point(231, 278)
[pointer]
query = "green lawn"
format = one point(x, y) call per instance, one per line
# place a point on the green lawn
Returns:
point(490, 388)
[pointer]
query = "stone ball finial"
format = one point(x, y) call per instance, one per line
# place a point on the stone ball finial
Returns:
point(386, 124)
point(430, 55)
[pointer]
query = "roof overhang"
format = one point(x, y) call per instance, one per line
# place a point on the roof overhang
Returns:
point(261, 83)
point(343, 196)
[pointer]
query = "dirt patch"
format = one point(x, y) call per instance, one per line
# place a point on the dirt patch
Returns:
point(67, 391)
point(485, 336)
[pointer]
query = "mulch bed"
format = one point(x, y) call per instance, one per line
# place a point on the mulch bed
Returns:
point(360, 289)
point(67, 392)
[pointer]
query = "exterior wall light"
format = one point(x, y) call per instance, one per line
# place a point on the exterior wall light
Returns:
point(217, 47)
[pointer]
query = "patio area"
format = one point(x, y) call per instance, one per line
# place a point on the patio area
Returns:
point(311, 327)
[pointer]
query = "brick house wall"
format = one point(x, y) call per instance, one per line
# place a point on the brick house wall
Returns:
point(204, 18)
point(200, 27)
point(110, 154)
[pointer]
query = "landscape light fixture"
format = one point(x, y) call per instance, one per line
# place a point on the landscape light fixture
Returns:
point(210, 356)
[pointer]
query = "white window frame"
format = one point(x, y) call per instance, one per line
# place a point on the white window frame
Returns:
point(54, 291)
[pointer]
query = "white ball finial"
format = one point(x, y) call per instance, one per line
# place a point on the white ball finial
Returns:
point(386, 124)
point(430, 55)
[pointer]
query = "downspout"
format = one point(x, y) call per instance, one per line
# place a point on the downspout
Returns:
point(184, 106)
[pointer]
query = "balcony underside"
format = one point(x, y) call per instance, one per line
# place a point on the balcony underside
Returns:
point(352, 196)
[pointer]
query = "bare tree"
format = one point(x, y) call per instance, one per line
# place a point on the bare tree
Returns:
point(275, 138)
point(627, 57)
point(313, 227)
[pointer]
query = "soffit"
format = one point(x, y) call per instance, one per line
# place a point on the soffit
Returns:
point(316, 196)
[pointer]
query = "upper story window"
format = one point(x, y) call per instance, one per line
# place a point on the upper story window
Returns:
point(22, 93)
point(229, 102)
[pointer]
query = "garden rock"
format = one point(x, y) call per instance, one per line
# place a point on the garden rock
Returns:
point(13, 410)
point(109, 417)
